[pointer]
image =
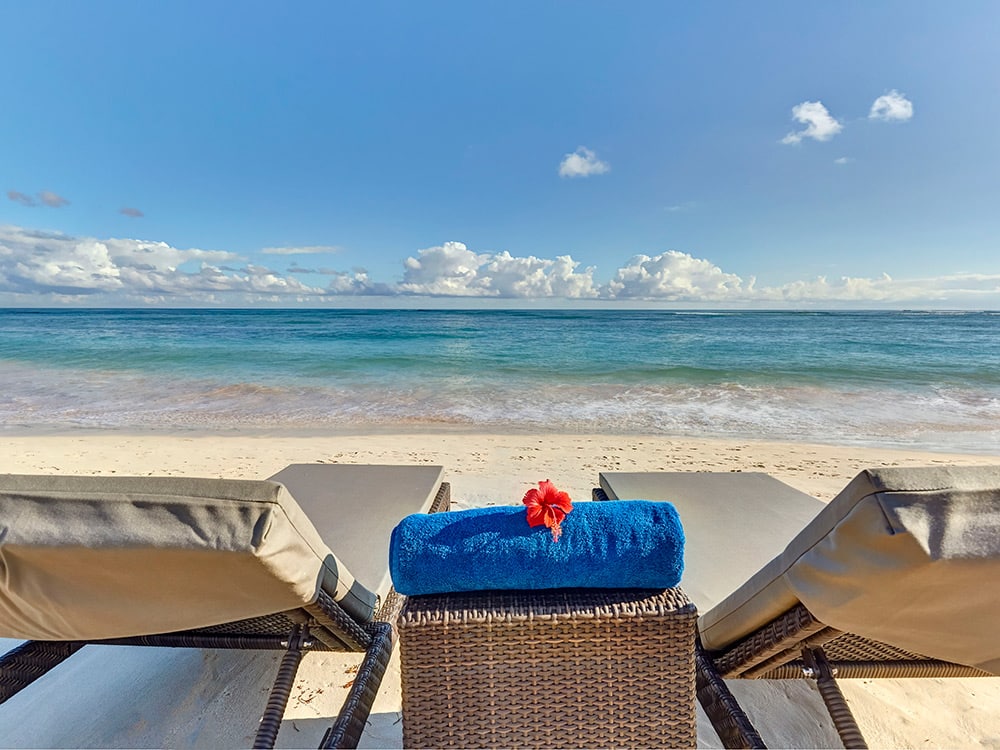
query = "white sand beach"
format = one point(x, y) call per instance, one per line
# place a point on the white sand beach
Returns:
point(107, 697)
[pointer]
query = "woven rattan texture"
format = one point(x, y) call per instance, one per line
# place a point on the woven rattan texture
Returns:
point(350, 724)
point(330, 619)
point(774, 653)
point(278, 625)
point(873, 670)
point(442, 500)
point(727, 716)
point(850, 647)
point(777, 643)
point(29, 661)
point(562, 668)
point(855, 657)
point(331, 627)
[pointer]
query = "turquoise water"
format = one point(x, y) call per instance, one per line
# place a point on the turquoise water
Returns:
point(928, 380)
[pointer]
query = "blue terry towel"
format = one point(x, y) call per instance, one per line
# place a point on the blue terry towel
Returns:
point(620, 544)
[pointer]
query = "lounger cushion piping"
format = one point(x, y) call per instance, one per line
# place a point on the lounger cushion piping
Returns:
point(903, 556)
point(84, 558)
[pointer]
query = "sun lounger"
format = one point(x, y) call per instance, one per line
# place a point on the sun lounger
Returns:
point(291, 563)
point(893, 578)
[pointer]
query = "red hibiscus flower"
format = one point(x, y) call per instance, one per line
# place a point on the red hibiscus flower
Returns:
point(547, 506)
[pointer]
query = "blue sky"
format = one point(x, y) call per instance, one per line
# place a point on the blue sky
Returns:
point(711, 154)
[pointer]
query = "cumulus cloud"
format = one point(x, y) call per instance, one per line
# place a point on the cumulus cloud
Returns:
point(52, 200)
point(452, 270)
point(820, 124)
point(677, 277)
point(843, 160)
point(582, 163)
point(357, 282)
point(891, 107)
point(681, 278)
point(49, 263)
point(539, 277)
point(38, 267)
point(135, 213)
point(672, 277)
point(24, 200)
point(303, 250)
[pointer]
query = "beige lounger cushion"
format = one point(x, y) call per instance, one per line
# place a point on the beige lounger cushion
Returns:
point(910, 557)
point(734, 522)
point(85, 558)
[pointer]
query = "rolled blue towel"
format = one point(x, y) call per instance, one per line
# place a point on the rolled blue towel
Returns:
point(619, 544)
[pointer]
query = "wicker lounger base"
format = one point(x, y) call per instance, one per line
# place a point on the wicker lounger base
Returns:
point(774, 652)
point(292, 632)
point(797, 645)
point(560, 668)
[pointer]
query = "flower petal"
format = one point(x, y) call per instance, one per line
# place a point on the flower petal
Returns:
point(536, 515)
point(532, 497)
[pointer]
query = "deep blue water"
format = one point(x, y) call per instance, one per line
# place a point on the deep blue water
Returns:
point(929, 380)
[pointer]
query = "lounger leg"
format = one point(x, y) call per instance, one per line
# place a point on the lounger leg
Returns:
point(353, 718)
point(727, 716)
point(270, 722)
point(819, 669)
point(29, 661)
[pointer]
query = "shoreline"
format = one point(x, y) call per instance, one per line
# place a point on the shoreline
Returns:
point(444, 427)
point(149, 698)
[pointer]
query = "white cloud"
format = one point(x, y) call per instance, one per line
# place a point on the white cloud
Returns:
point(452, 269)
point(844, 289)
point(843, 160)
point(83, 266)
point(356, 282)
point(891, 107)
point(538, 277)
point(956, 289)
point(820, 124)
point(51, 268)
point(304, 250)
point(677, 277)
point(582, 163)
point(53, 264)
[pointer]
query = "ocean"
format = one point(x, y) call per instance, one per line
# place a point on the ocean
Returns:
point(927, 380)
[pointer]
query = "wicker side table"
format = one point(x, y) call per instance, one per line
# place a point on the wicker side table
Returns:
point(559, 668)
